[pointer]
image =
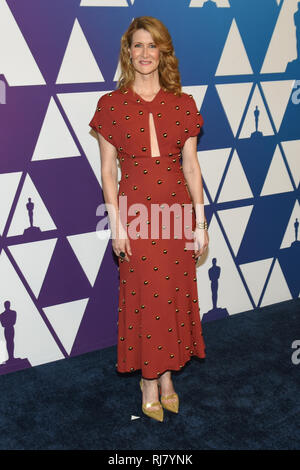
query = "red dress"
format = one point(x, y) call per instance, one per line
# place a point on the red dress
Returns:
point(159, 326)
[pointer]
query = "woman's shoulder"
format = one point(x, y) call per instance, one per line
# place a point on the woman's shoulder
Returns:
point(187, 96)
point(182, 97)
point(110, 97)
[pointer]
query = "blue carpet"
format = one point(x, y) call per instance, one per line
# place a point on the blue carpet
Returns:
point(244, 395)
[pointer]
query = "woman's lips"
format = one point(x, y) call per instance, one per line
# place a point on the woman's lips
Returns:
point(144, 62)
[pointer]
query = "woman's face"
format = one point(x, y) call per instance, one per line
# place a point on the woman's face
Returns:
point(144, 52)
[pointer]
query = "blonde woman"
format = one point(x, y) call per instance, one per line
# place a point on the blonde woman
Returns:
point(148, 124)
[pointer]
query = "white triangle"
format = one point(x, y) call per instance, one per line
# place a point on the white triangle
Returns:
point(8, 186)
point(212, 164)
point(41, 216)
point(264, 124)
point(16, 60)
point(79, 64)
point(283, 46)
point(218, 3)
point(134, 417)
point(198, 93)
point(118, 72)
point(277, 179)
point(277, 94)
point(80, 108)
point(292, 152)
point(205, 200)
point(55, 140)
point(235, 222)
point(33, 260)
point(236, 185)
point(255, 274)
point(277, 289)
point(103, 3)
point(89, 249)
point(65, 319)
point(233, 97)
point(290, 232)
point(231, 293)
point(234, 59)
point(32, 338)
point(3, 351)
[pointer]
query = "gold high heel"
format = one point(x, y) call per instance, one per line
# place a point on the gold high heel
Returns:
point(173, 406)
point(155, 414)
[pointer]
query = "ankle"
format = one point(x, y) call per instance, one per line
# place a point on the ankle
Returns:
point(149, 383)
point(167, 386)
point(165, 379)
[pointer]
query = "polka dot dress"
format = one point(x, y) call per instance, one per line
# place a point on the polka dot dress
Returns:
point(159, 326)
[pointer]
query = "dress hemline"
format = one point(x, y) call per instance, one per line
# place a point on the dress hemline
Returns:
point(157, 376)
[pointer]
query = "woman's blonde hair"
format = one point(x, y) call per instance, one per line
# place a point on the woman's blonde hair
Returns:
point(169, 76)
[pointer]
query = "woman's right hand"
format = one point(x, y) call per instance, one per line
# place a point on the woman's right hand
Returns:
point(121, 243)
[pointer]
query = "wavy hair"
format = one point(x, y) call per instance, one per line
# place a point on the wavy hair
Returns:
point(169, 76)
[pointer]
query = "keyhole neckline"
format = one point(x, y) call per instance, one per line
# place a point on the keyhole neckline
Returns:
point(134, 93)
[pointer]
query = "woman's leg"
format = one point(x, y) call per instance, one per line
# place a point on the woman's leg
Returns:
point(166, 384)
point(150, 392)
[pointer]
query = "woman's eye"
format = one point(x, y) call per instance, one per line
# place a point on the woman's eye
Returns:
point(151, 45)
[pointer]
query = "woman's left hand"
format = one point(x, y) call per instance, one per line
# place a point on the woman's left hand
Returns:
point(201, 240)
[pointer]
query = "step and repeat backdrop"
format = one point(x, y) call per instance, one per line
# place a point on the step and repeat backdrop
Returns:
point(240, 59)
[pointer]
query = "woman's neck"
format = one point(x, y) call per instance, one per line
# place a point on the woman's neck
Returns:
point(146, 88)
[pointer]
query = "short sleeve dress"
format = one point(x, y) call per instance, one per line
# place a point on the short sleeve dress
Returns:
point(159, 326)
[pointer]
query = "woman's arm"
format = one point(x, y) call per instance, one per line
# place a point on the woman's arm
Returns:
point(109, 180)
point(109, 174)
point(192, 173)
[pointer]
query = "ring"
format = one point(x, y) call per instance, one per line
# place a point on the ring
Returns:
point(122, 254)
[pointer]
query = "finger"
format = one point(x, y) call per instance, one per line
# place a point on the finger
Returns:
point(126, 257)
point(203, 249)
point(123, 258)
point(196, 247)
point(128, 247)
point(120, 250)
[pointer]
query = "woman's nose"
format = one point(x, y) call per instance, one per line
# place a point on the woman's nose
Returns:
point(145, 52)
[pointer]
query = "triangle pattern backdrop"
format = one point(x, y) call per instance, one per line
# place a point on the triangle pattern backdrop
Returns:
point(59, 279)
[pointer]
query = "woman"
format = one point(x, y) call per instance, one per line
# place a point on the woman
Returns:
point(147, 123)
